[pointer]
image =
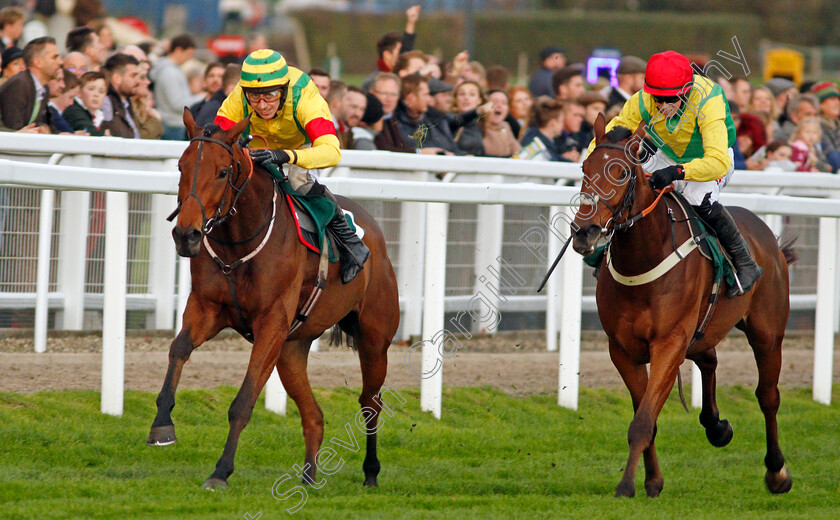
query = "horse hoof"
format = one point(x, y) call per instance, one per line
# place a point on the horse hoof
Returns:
point(778, 483)
point(654, 488)
point(371, 482)
point(215, 484)
point(720, 434)
point(625, 490)
point(162, 435)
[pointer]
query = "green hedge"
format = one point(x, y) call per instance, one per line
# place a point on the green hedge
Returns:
point(500, 37)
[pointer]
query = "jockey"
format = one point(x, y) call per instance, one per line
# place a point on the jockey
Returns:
point(298, 131)
point(688, 121)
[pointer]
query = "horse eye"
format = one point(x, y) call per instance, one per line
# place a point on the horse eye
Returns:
point(223, 173)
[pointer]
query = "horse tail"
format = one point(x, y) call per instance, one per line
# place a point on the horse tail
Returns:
point(346, 331)
point(788, 251)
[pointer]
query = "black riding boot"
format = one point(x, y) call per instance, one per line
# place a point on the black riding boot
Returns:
point(354, 252)
point(748, 272)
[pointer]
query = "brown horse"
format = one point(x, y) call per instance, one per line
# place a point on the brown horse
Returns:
point(223, 196)
point(654, 322)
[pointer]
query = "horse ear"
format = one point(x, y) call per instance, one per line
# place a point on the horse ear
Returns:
point(236, 130)
point(192, 128)
point(599, 127)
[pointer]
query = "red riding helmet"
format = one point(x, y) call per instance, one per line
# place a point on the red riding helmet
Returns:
point(668, 73)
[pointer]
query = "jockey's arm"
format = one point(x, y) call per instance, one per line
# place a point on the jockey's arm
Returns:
point(629, 117)
point(314, 114)
point(715, 161)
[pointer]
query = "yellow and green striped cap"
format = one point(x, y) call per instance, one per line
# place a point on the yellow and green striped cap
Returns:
point(264, 68)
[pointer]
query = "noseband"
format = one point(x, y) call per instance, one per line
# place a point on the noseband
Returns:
point(208, 223)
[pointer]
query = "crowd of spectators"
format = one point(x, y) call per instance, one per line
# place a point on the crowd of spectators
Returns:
point(80, 81)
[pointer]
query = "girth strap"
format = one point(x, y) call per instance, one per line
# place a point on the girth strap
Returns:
point(317, 289)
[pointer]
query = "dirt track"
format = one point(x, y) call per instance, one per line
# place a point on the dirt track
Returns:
point(513, 363)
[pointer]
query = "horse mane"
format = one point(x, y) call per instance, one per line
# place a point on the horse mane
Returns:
point(618, 134)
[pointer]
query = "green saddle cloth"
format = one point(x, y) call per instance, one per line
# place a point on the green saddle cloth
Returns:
point(723, 269)
point(320, 209)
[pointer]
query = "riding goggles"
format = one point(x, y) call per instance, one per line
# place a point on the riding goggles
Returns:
point(255, 97)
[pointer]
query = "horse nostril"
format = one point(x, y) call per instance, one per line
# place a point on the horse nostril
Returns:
point(194, 235)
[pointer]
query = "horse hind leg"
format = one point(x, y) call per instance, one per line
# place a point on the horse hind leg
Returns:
point(719, 432)
point(767, 349)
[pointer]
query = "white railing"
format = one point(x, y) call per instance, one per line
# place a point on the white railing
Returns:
point(419, 306)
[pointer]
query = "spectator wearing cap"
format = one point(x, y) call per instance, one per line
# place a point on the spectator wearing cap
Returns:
point(782, 89)
point(441, 93)
point(391, 44)
point(593, 103)
point(829, 97)
point(364, 135)
point(172, 92)
point(25, 96)
point(798, 108)
point(567, 83)
point(13, 63)
point(11, 26)
point(631, 78)
point(552, 59)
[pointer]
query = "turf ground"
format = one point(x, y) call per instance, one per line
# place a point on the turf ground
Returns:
point(491, 456)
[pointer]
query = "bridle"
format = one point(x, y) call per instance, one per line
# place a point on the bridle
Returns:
point(208, 223)
point(627, 200)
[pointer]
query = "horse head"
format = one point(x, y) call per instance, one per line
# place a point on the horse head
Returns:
point(610, 175)
point(214, 170)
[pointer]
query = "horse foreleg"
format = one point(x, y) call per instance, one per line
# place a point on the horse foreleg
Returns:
point(666, 356)
point(292, 370)
point(636, 379)
point(200, 324)
point(768, 357)
point(264, 356)
point(719, 432)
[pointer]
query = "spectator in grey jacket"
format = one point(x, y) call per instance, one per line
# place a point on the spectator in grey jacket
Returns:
point(172, 93)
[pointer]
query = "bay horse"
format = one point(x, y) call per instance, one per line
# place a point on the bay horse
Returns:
point(223, 196)
point(654, 322)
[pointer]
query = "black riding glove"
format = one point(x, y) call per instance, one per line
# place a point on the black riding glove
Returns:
point(262, 155)
point(661, 178)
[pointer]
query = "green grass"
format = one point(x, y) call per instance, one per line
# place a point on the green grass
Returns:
point(491, 456)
